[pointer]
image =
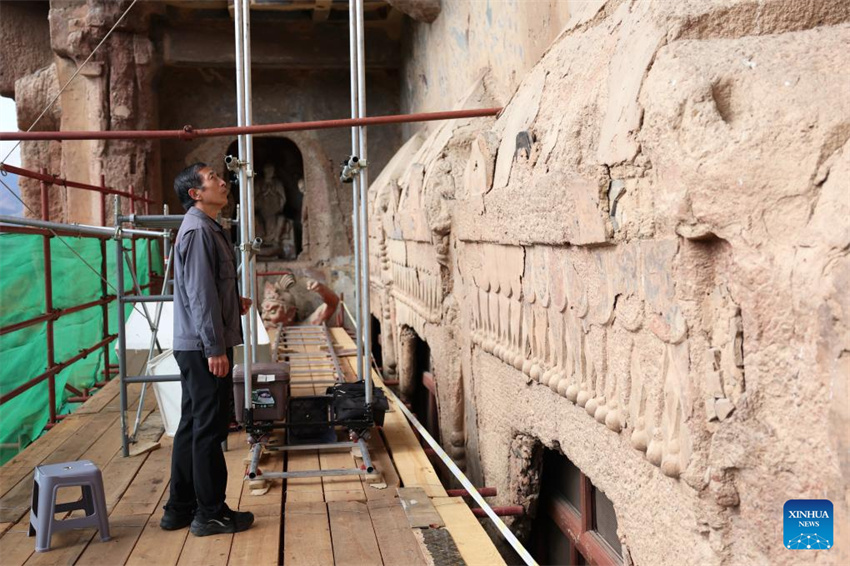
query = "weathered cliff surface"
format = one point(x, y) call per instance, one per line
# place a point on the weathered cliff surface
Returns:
point(644, 261)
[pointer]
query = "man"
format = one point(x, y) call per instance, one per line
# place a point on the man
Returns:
point(207, 326)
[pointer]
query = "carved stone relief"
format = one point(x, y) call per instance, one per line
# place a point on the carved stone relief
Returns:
point(602, 328)
point(725, 378)
point(416, 283)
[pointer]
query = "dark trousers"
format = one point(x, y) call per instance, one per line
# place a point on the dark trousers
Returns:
point(198, 469)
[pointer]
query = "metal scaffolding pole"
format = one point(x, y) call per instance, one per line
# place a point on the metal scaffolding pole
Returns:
point(169, 221)
point(355, 185)
point(365, 318)
point(245, 213)
point(122, 337)
point(76, 229)
point(248, 117)
point(154, 342)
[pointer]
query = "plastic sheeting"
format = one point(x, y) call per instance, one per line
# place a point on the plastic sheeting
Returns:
point(23, 353)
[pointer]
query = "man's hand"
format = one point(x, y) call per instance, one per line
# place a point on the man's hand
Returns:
point(312, 285)
point(219, 365)
point(246, 304)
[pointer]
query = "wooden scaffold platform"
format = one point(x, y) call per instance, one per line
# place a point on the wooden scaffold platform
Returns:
point(400, 516)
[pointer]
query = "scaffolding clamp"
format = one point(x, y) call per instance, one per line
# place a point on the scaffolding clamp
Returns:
point(351, 167)
point(251, 247)
point(234, 164)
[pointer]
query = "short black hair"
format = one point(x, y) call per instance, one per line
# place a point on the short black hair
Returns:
point(188, 178)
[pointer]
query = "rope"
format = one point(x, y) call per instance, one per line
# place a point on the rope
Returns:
point(80, 68)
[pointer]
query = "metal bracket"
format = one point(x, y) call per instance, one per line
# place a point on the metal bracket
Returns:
point(251, 247)
point(351, 167)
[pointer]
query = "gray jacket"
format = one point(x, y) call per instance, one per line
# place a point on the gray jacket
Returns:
point(206, 300)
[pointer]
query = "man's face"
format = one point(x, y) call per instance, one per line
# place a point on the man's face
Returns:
point(213, 191)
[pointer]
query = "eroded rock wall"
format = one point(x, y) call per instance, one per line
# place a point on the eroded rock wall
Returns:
point(206, 97)
point(444, 56)
point(26, 41)
point(114, 90)
point(644, 262)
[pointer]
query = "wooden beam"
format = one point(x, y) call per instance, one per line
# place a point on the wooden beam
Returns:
point(396, 540)
point(418, 508)
point(125, 532)
point(340, 488)
point(303, 5)
point(425, 11)
point(303, 489)
point(259, 545)
point(147, 488)
point(307, 535)
point(321, 10)
point(353, 545)
point(293, 46)
point(156, 546)
point(472, 541)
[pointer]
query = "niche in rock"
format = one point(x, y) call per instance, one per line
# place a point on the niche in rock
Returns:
point(278, 196)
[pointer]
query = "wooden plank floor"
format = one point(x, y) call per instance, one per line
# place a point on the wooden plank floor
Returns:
point(347, 521)
point(351, 522)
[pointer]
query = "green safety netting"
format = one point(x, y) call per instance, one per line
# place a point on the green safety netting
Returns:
point(23, 353)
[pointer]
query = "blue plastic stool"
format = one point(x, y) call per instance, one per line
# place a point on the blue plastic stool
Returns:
point(46, 483)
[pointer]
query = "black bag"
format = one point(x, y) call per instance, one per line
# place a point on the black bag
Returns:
point(311, 416)
point(349, 402)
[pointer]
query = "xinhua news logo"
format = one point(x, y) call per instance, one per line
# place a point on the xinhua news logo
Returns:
point(808, 524)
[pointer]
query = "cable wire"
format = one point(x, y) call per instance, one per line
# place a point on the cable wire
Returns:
point(80, 68)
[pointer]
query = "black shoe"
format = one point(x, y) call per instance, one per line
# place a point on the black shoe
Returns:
point(173, 520)
point(228, 521)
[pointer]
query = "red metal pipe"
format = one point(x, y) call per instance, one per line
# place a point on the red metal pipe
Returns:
point(132, 211)
point(483, 491)
point(104, 313)
point(57, 313)
point(506, 511)
point(48, 426)
point(48, 300)
point(74, 390)
point(55, 369)
point(56, 180)
point(25, 323)
point(96, 303)
point(147, 209)
point(188, 133)
point(45, 202)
